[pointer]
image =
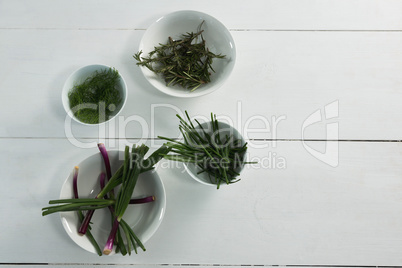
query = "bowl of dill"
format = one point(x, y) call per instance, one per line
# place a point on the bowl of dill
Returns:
point(186, 54)
point(94, 94)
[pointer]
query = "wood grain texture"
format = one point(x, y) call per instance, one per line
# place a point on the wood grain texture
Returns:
point(237, 15)
point(290, 75)
point(296, 59)
point(305, 212)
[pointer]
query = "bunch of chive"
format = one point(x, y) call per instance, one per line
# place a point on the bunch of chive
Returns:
point(185, 61)
point(95, 100)
point(219, 155)
point(125, 177)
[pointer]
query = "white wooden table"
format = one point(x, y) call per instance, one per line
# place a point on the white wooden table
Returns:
point(327, 191)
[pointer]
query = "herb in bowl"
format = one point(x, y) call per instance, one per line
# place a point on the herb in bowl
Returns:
point(185, 61)
point(212, 148)
point(96, 99)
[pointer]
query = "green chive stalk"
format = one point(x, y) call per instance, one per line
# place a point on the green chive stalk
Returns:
point(219, 156)
point(132, 169)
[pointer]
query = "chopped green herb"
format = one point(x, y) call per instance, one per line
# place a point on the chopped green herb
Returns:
point(218, 155)
point(186, 61)
point(96, 99)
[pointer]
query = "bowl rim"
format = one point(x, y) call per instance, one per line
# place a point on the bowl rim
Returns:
point(194, 176)
point(186, 93)
point(66, 89)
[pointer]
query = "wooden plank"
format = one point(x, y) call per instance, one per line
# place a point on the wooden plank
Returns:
point(305, 213)
point(279, 81)
point(177, 265)
point(254, 15)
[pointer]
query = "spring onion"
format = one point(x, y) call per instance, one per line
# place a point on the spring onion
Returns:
point(130, 176)
point(142, 200)
point(85, 223)
point(147, 165)
point(126, 177)
point(80, 215)
point(105, 157)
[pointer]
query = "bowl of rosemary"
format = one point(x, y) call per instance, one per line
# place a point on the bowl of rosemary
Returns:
point(186, 54)
point(94, 94)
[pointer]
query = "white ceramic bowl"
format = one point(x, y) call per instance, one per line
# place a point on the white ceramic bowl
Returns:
point(224, 129)
point(218, 40)
point(143, 218)
point(78, 77)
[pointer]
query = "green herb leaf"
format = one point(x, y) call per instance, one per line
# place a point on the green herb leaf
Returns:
point(217, 155)
point(97, 98)
point(185, 61)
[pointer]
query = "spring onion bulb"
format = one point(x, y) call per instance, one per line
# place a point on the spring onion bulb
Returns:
point(85, 223)
point(80, 215)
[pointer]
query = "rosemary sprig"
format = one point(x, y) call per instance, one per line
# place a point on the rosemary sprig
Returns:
point(185, 61)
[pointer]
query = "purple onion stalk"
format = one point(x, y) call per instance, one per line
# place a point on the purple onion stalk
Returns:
point(75, 182)
point(102, 181)
point(142, 200)
point(120, 239)
point(109, 246)
point(110, 241)
point(153, 159)
point(80, 215)
point(87, 219)
point(130, 176)
point(133, 201)
point(105, 157)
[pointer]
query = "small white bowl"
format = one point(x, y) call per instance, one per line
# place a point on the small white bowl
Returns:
point(224, 129)
point(218, 40)
point(78, 77)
